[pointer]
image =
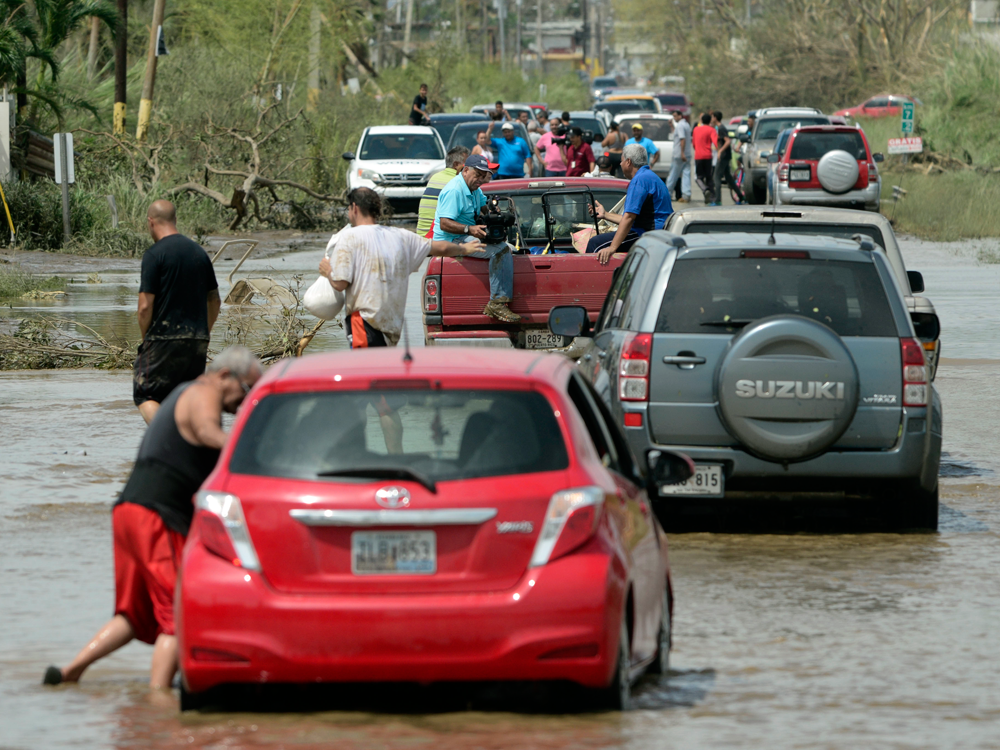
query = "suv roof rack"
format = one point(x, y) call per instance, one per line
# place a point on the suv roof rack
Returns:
point(864, 242)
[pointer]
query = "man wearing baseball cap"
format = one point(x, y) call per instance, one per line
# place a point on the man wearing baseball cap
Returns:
point(455, 221)
point(513, 154)
point(637, 137)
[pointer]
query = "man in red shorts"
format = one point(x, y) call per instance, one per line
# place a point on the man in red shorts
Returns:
point(153, 514)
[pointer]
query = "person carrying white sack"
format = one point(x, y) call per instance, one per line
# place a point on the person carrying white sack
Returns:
point(367, 271)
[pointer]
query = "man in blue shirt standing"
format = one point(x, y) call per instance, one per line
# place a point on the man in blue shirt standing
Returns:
point(651, 150)
point(647, 206)
point(455, 221)
point(513, 153)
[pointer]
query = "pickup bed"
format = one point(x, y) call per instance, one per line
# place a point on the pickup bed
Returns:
point(455, 290)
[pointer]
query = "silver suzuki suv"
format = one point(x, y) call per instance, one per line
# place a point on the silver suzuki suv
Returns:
point(783, 365)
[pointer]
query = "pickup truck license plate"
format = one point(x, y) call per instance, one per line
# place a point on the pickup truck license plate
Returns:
point(393, 552)
point(800, 175)
point(542, 340)
point(707, 481)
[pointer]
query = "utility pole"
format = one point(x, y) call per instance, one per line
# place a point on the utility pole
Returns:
point(593, 48)
point(501, 6)
point(539, 47)
point(517, 41)
point(406, 32)
point(312, 85)
point(146, 102)
point(95, 40)
point(121, 67)
point(483, 31)
point(459, 26)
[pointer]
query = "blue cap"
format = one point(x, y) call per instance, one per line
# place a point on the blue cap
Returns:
point(478, 161)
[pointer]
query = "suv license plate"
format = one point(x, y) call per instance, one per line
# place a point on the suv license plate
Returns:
point(799, 175)
point(707, 481)
point(393, 552)
point(542, 340)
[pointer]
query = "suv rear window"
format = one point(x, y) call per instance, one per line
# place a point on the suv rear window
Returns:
point(769, 129)
point(817, 145)
point(841, 231)
point(672, 99)
point(446, 435)
point(655, 130)
point(721, 295)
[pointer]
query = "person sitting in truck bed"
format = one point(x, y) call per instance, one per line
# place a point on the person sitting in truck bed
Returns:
point(458, 206)
point(647, 207)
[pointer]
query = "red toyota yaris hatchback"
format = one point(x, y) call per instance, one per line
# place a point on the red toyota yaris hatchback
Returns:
point(469, 515)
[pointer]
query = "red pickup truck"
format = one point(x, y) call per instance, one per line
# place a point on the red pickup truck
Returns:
point(455, 290)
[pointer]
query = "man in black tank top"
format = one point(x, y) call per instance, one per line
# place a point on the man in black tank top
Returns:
point(154, 511)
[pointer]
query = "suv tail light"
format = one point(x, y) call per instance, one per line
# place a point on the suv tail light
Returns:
point(571, 519)
point(872, 172)
point(223, 529)
point(783, 173)
point(914, 373)
point(432, 294)
point(633, 367)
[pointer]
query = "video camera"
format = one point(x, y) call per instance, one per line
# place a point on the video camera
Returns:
point(497, 218)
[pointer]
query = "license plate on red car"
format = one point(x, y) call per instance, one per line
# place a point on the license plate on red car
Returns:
point(799, 175)
point(393, 552)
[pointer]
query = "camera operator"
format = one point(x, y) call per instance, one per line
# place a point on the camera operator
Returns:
point(553, 145)
point(458, 207)
point(513, 153)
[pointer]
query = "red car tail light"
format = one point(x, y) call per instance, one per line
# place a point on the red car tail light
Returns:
point(432, 294)
point(633, 367)
point(570, 520)
point(914, 373)
point(224, 530)
point(872, 172)
point(783, 173)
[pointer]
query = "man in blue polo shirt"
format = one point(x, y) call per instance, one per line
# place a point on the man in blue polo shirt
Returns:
point(455, 221)
point(651, 150)
point(513, 154)
point(647, 206)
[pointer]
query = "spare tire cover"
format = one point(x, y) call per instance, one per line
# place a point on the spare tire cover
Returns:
point(787, 388)
point(837, 172)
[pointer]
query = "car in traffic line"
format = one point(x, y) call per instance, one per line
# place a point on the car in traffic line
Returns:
point(672, 101)
point(757, 146)
point(659, 129)
point(827, 165)
point(786, 366)
point(514, 109)
point(829, 222)
point(548, 211)
point(464, 134)
point(883, 105)
point(455, 515)
point(445, 122)
point(396, 161)
point(645, 102)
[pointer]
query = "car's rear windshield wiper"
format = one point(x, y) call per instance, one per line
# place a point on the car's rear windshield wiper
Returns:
point(383, 472)
point(731, 323)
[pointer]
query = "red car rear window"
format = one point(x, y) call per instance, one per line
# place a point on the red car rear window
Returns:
point(446, 435)
point(815, 146)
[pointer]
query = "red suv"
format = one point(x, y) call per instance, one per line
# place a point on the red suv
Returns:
point(884, 105)
point(461, 515)
point(828, 165)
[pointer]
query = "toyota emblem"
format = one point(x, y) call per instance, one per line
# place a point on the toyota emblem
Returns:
point(393, 497)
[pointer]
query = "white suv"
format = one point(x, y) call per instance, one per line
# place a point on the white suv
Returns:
point(396, 161)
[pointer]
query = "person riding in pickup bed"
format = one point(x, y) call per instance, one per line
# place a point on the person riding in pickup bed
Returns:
point(458, 205)
point(647, 207)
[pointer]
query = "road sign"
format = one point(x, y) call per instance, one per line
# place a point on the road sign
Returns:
point(906, 145)
point(907, 117)
point(57, 142)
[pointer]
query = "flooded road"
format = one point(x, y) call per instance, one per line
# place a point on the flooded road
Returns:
point(845, 640)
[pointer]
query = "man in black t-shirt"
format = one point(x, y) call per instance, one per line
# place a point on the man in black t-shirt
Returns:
point(723, 168)
point(418, 112)
point(178, 304)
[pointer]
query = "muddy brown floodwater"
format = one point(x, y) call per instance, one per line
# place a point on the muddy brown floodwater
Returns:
point(808, 640)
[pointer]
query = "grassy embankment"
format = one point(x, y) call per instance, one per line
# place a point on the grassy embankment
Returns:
point(16, 282)
point(957, 121)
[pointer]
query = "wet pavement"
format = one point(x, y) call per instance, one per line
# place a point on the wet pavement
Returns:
point(809, 640)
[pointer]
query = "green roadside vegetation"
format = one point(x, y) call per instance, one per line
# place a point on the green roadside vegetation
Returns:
point(16, 282)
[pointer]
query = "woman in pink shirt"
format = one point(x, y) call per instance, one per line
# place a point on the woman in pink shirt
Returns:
point(555, 152)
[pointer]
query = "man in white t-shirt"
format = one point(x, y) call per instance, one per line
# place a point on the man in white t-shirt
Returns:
point(680, 164)
point(371, 264)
